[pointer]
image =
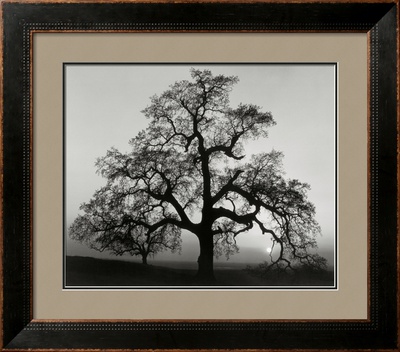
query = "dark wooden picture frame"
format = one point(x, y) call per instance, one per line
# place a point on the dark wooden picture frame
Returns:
point(21, 20)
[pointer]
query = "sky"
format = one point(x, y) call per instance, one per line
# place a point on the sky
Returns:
point(103, 104)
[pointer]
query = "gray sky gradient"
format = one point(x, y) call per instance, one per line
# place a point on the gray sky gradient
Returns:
point(103, 106)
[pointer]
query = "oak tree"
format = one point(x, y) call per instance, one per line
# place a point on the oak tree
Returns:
point(189, 171)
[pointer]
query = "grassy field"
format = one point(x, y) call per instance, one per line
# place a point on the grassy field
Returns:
point(85, 271)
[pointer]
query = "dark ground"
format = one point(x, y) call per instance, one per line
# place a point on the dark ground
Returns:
point(85, 271)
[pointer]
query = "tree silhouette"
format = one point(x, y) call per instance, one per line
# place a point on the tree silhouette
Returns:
point(120, 223)
point(187, 171)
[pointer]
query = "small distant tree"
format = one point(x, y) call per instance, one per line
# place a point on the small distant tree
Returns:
point(121, 223)
point(186, 172)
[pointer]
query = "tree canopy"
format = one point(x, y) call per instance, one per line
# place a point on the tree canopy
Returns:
point(189, 171)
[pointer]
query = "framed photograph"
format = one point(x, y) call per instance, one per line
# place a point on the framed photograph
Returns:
point(199, 175)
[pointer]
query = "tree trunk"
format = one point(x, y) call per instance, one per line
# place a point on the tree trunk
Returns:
point(144, 259)
point(205, 273)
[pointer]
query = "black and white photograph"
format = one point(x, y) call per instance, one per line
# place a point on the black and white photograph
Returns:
point(200, 176)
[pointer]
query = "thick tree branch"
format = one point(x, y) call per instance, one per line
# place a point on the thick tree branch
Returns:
point(226, 188)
